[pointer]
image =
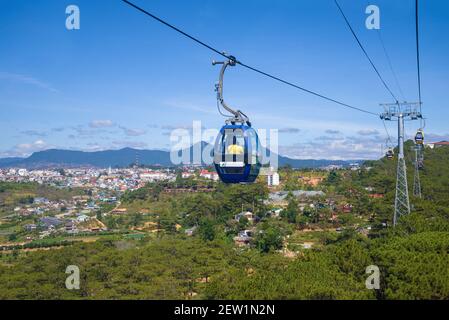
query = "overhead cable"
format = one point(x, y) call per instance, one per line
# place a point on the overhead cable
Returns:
point(221, 53)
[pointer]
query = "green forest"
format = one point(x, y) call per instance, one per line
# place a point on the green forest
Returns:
point(413, 257)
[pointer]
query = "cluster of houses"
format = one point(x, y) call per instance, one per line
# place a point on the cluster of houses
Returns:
point(312, 200)
point(61, 215)
point(244, 237)
point(79, 223)
point(106, 185)
point(24, 175)
point(73, 225)
point(112, 179)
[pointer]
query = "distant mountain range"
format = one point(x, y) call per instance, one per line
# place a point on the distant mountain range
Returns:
point(6, 161)
point(126, 157)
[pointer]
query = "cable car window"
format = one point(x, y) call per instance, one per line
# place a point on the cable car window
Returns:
point(235, 143)
point(233, 152)
point(253, 153)
point(253, 147)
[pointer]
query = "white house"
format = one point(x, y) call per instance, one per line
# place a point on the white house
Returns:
point(186, 175)
point(433, 145)
point(209, 175)
point(273, 179)
point(249, 215)
point(82, 218)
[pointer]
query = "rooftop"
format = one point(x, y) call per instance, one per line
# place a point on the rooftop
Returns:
point(441, 143)
point(281, 195)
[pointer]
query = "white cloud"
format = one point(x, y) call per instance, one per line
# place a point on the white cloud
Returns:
point(129, 144)
point(167, 129)
point(93, 146)
point(133, 132)
point(343, 148)
point(26, 149)
point(368, 132)
point(289, 130)
point(94, 129)
point(95, 124)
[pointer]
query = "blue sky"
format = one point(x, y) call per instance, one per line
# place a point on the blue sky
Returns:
point(126, 80)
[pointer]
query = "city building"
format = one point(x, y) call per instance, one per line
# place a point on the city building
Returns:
point(439, 144)
point(273, 179)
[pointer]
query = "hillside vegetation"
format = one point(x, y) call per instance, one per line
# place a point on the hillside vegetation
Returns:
point(413, 258)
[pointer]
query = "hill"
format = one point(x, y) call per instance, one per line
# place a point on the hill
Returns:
point(412, 257)
point(432, 208)
point(7, 161)
point(127, 156)
point(115, 158)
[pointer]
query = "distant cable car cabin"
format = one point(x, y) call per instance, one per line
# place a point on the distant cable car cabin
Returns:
point(420, 164)
point(419, 137)
point(389, 154)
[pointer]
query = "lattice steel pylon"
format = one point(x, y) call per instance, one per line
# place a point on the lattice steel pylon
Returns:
point(402, 201)
point(401, 111)
point(416, 179)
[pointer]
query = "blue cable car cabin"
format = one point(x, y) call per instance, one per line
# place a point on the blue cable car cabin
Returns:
point(419, 137)
point(237, 154)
